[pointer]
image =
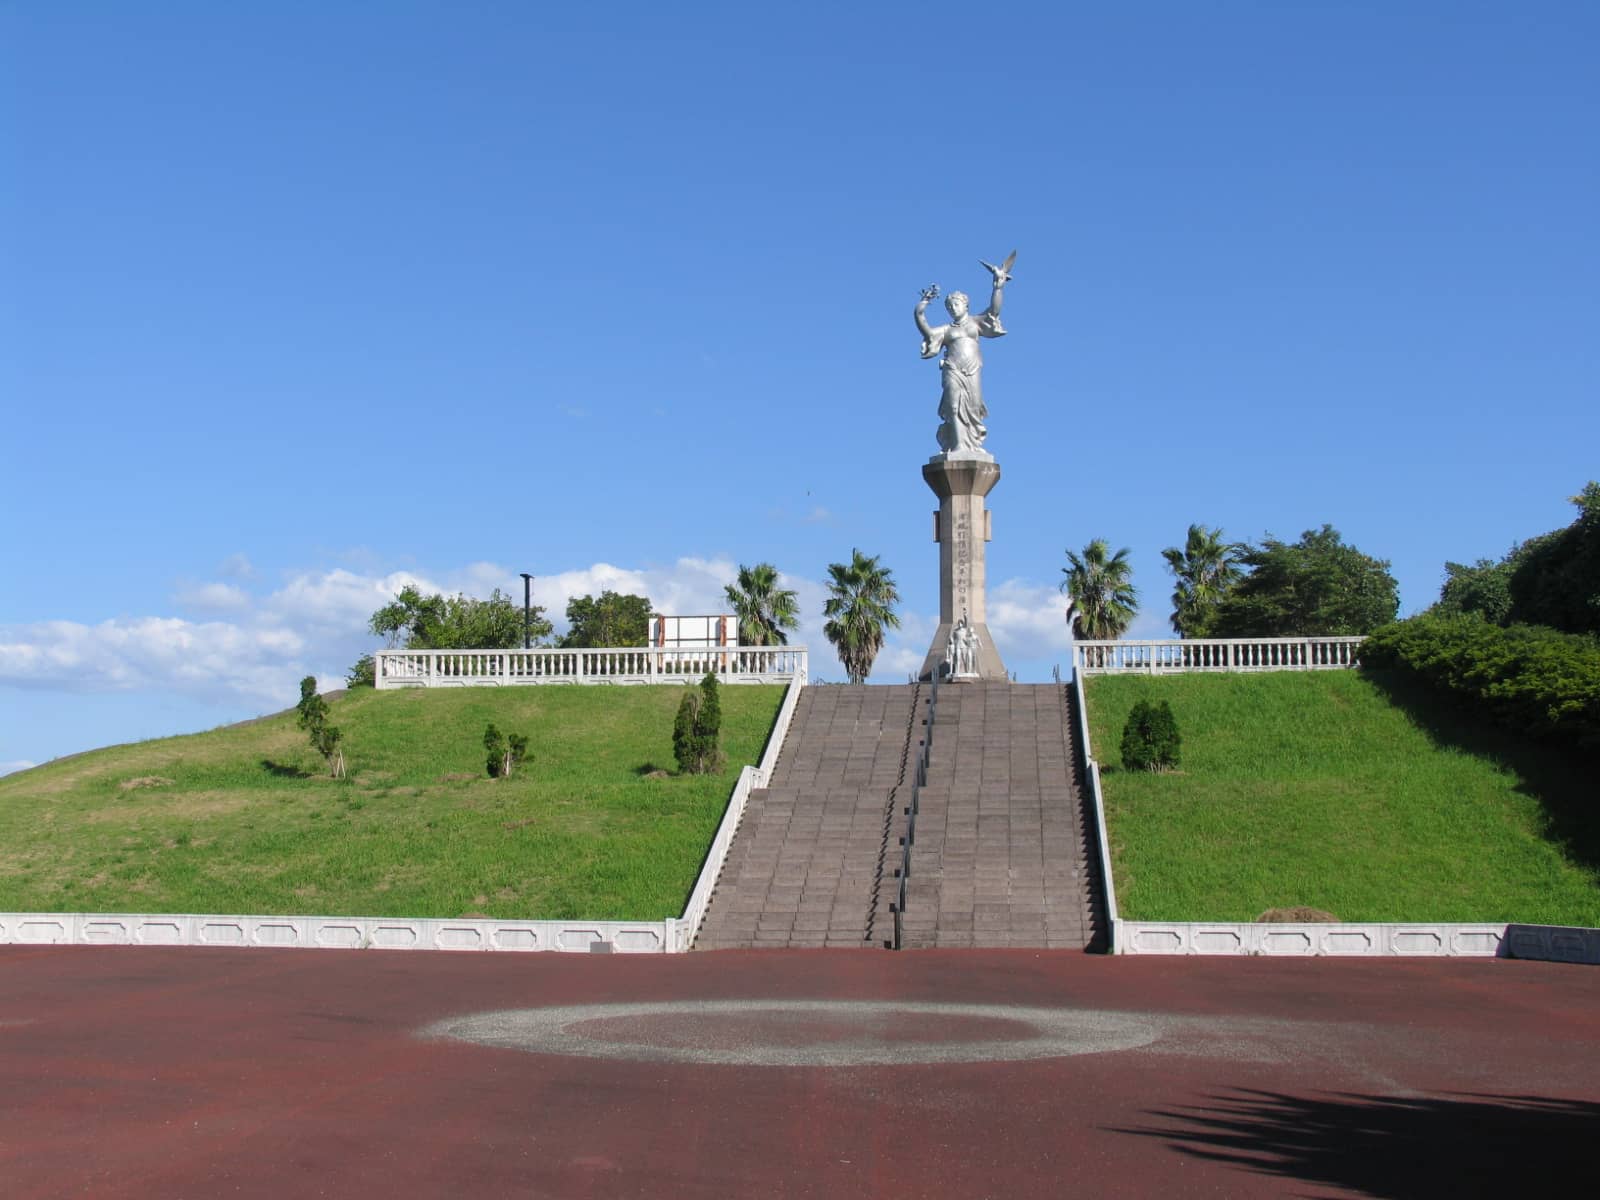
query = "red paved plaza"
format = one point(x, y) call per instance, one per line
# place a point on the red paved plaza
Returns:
point(199, 1073)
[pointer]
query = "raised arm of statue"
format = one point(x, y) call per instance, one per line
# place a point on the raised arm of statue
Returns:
point(932, 339)
point(1002, 275)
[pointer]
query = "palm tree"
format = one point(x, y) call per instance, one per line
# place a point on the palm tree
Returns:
point(1205, 570)
point(765, 610)
point(1103, 597)
point(861, 600)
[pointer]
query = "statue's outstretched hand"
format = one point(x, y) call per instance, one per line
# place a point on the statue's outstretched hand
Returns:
point(929, 294)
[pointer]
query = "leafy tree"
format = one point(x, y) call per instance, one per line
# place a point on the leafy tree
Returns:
point(505, 751)
point(697, 731)
point(1316, 587)
point(325, 738)
point(363, 672)
point(459, 622)
point(1205, 570)
point(612, 619)
point(765, 611)
point(860, 606)
point(1100, 585)
point(1150, 740)
point(1482, 590)
point(1556, 578)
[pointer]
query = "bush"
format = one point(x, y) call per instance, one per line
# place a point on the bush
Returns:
point(697, 731)
point(1555, 579)
point(1482, 590)
point(505, 751)
point(1150, 739)
point(363, 673)
point(1536, 681)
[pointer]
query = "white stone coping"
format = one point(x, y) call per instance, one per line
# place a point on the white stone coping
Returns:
point(1096, 801)
point(335, 933)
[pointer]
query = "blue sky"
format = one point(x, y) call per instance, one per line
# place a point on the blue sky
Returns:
point(304, 301)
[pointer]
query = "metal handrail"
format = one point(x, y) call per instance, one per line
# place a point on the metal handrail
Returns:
point(919, 779)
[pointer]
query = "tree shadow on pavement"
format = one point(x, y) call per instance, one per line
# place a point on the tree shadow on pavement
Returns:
point(1557, 777)
point(1392, 1146)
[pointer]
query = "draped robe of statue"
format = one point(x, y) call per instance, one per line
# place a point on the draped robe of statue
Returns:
point(961, 406)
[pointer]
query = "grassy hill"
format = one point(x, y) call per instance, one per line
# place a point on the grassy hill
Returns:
point(244, 820)
point(1345, 793)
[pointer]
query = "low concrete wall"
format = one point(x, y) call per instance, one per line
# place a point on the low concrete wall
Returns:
point(1554, 943)
point(335, 933)
point(1420, 939)
point(1417, 939)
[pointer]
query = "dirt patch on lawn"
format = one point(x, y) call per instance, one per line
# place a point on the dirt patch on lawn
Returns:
point(189, 806)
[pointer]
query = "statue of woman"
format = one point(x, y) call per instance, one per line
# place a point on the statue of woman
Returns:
point(961, 405)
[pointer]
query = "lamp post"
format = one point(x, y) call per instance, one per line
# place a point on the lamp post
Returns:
point(527, 610)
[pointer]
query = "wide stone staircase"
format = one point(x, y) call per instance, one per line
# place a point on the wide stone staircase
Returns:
point(1000, 855)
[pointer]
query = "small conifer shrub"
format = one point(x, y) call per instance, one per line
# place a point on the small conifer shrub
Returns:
point(697, 730)
point(1150, 739)
point(505, 751)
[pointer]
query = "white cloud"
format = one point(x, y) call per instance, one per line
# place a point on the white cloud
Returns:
point(336, 599)
point(216, 659)
point(314, 623)
point(689, 586)
point(1027, 620)
point(1150, 626)
point(212, 597)
point(16, 764)
point(236, 566)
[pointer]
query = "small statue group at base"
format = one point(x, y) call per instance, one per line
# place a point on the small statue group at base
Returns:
point(961, 651)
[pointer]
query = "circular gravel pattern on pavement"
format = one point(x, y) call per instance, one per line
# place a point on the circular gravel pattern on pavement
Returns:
point(803, 1033)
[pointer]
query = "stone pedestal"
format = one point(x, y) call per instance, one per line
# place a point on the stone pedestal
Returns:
point(961, 479)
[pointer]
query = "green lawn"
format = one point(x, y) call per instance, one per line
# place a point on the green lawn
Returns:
point(1345, 793)
point(244, 820)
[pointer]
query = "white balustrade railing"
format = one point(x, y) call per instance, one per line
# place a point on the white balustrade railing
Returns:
point(619, 665)
point(1217, 654)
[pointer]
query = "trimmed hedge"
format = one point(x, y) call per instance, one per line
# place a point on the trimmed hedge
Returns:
point(1535, 680)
